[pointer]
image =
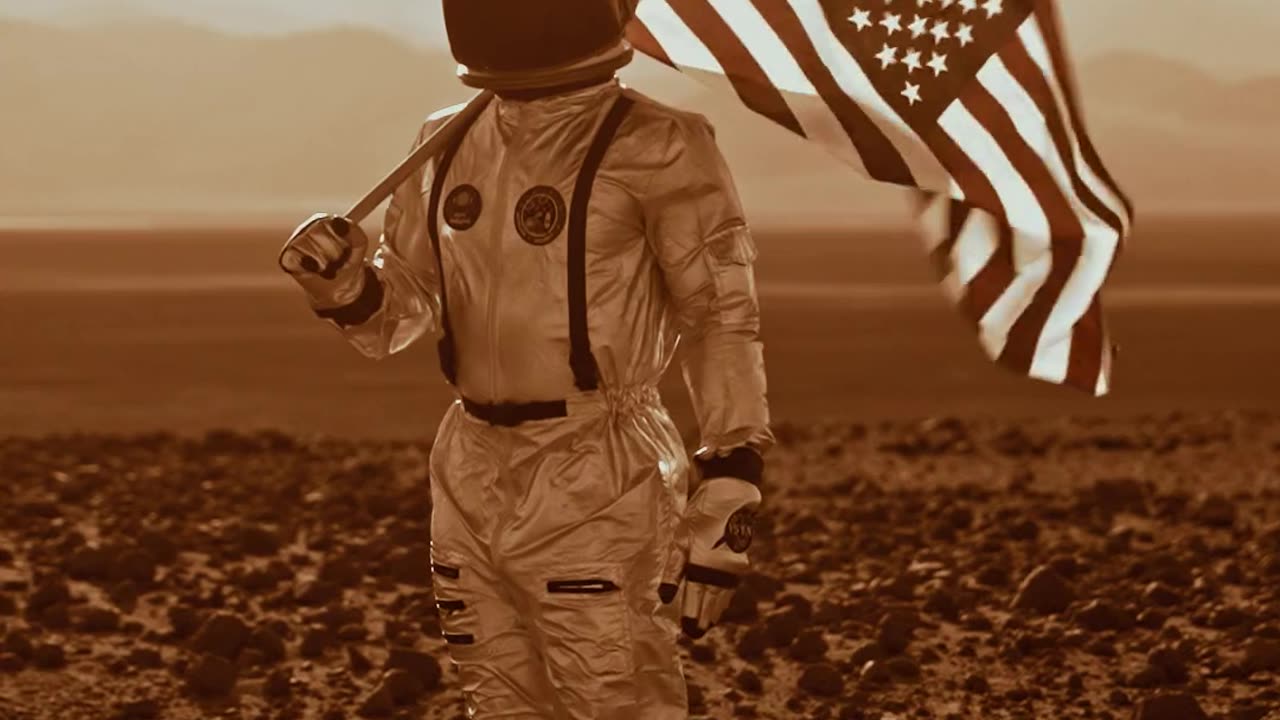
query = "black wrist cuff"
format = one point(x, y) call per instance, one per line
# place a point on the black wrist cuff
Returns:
point(358, 311)
point(743, 463)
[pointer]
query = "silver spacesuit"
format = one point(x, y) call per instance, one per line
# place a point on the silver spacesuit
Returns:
point(558, 250)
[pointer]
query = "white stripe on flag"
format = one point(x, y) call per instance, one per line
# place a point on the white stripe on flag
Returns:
point(1052, 354)
point(780, 66)
point(1032, 37)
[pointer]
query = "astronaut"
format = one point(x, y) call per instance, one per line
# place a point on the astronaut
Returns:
point(559, 248)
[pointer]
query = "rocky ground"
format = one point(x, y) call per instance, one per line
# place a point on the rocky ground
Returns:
point(943, 569)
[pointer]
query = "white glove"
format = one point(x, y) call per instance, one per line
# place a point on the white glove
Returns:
point(325, 255)
point(710, 551)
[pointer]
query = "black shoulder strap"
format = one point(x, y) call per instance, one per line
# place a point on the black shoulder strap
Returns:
point(586, 375)
point(446, 347)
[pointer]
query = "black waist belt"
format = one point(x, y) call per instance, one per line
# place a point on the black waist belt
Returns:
point(513, 414)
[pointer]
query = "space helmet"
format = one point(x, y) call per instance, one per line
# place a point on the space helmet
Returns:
point(529, 45)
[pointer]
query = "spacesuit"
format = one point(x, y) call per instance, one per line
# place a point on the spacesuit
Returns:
point(558, 250)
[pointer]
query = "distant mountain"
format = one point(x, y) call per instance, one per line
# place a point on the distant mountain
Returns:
point(165, 118)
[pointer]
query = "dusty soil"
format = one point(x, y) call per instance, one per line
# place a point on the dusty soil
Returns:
point(943, 569)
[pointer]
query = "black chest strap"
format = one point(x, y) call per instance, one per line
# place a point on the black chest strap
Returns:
point(586, 375)
point(447, 347)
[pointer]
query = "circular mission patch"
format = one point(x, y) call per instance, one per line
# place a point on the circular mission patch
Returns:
point(540, 215)
point(462, 207)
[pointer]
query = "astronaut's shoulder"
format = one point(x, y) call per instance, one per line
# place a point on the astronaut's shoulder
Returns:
point(658, 118)
point(440, 117)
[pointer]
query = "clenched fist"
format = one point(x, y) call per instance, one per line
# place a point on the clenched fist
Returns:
point(325, 255)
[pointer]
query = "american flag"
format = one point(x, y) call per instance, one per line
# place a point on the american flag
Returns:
point(969, 101)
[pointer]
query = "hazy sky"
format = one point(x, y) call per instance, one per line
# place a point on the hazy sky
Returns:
point(1234, 37)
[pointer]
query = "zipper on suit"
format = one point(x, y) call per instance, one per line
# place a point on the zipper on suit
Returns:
point(495, 248)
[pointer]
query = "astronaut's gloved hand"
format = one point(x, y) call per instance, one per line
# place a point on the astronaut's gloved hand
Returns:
point(710, 551)
point(325, 255)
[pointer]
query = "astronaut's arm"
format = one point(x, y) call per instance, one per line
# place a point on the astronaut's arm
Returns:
point(396, 298)
point(695, 224)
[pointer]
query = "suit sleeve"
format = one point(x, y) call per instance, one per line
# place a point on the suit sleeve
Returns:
point(695, 225)
point(400, 301)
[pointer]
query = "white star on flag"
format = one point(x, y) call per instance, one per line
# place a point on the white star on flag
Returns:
point(892, 23)
point(887, 56)
point(912, 93)
point(861, 18)
point(969, 5)
point(939, 31)
point(919, 26)
point(938, 63)
point(912, 61)
point(964, 34)
point(993, 8)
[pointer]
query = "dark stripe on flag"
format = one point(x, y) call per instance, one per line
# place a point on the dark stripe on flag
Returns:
point(882, 159)
point(1065, 230)
point(643, 41)
point(989, 283)
point(749, 80)
point(1019, 63)
point(1084, 367)
point(1047, 15)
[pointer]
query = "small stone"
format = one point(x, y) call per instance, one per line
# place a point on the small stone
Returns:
point(1261, 655)
point(1170, 706)
point(749, 682)
point(821, 679)
point(49, 656)
point(223, 634)
point(402, 686)
point(702, 654)
point(870, 650)
point(145, 658)
point(1171, 663)
point(124, 595)
point(903, 667)
point(99, 620)
point(976, 684)
point(1214, 510)
point(809, 646)
point(781, 628)
point(315, 641)
point(183, 619)
point(377, 704)
point(278, 685)
point(1160, 595)
point(11, 663)
point(266, 640)
point(1100, 616)
point(894, 632)
point(1153, 618)
point(753, 644)
point(145, 709)
point(211, 676)
point(359, 663)
point(423, 667)
point(1044, 591)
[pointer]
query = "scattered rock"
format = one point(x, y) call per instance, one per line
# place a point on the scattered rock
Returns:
point(1169, 706)
point(223, 634)
point(421, 666)
point(211, 676)
point(1044, 591)
point(821, 679)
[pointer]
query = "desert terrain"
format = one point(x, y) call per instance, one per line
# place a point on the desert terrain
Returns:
point(211, 507)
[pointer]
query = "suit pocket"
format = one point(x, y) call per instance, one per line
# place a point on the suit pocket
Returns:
point(585, 620)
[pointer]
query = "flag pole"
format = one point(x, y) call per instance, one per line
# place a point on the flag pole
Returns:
point(416, 159)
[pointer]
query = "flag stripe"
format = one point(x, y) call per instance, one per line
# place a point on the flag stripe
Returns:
point(746, 75)
point(1064, 225)
point(1020, 65)
point(1087, 347)
point(1047, 16)
point(1035, 42)
point(880, 157)
point(815, 115)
